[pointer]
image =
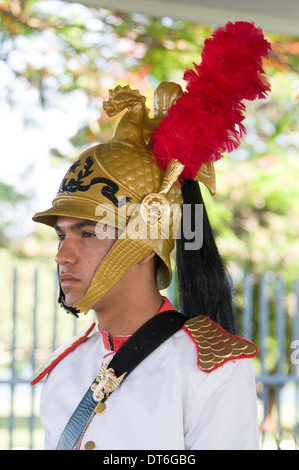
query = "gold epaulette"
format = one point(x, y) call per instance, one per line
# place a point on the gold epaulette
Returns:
point(60, 353)
point(215, 346)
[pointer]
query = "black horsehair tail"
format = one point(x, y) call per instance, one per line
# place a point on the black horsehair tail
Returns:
point(203, 283)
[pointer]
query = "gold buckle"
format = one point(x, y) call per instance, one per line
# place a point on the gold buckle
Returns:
point(106, 382)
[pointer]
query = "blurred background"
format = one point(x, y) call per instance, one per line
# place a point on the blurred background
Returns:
point(57, 61)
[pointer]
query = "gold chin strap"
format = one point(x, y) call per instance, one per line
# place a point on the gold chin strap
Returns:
point(125, 253)
point(148, 224)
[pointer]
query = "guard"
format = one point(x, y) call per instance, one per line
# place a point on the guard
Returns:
point(147, 376)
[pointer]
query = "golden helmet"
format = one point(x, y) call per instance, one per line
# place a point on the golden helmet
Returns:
point(121, 184)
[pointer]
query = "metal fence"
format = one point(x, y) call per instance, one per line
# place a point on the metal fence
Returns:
point(33, 325)
point(270, 317)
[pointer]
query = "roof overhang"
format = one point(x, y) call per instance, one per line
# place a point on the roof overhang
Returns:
point(274, 16)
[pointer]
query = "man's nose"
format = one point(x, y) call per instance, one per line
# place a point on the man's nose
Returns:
point(67, 253)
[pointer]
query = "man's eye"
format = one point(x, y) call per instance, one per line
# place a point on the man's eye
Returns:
point(60, 236)
point(88, 234)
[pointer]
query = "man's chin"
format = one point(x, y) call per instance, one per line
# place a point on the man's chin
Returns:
point(70, 299)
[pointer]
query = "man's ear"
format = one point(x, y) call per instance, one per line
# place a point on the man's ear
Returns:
point(147, 258)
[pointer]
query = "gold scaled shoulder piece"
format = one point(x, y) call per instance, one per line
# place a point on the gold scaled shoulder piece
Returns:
point(215, 346)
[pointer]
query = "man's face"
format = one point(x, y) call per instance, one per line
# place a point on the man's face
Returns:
point(83, 244)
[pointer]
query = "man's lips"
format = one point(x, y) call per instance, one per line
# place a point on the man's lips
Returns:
point(68, 279)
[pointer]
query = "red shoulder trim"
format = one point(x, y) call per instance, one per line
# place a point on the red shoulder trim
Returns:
point(59, 354)
point(214, 345)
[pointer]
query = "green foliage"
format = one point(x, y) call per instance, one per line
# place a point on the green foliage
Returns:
point(9, 194)
point(10, 198)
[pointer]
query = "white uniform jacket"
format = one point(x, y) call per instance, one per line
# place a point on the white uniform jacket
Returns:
point(166, 403)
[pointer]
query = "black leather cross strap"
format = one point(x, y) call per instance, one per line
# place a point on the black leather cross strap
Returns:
point(140, 345)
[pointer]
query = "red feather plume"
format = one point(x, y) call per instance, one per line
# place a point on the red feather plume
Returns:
point(207, 120)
